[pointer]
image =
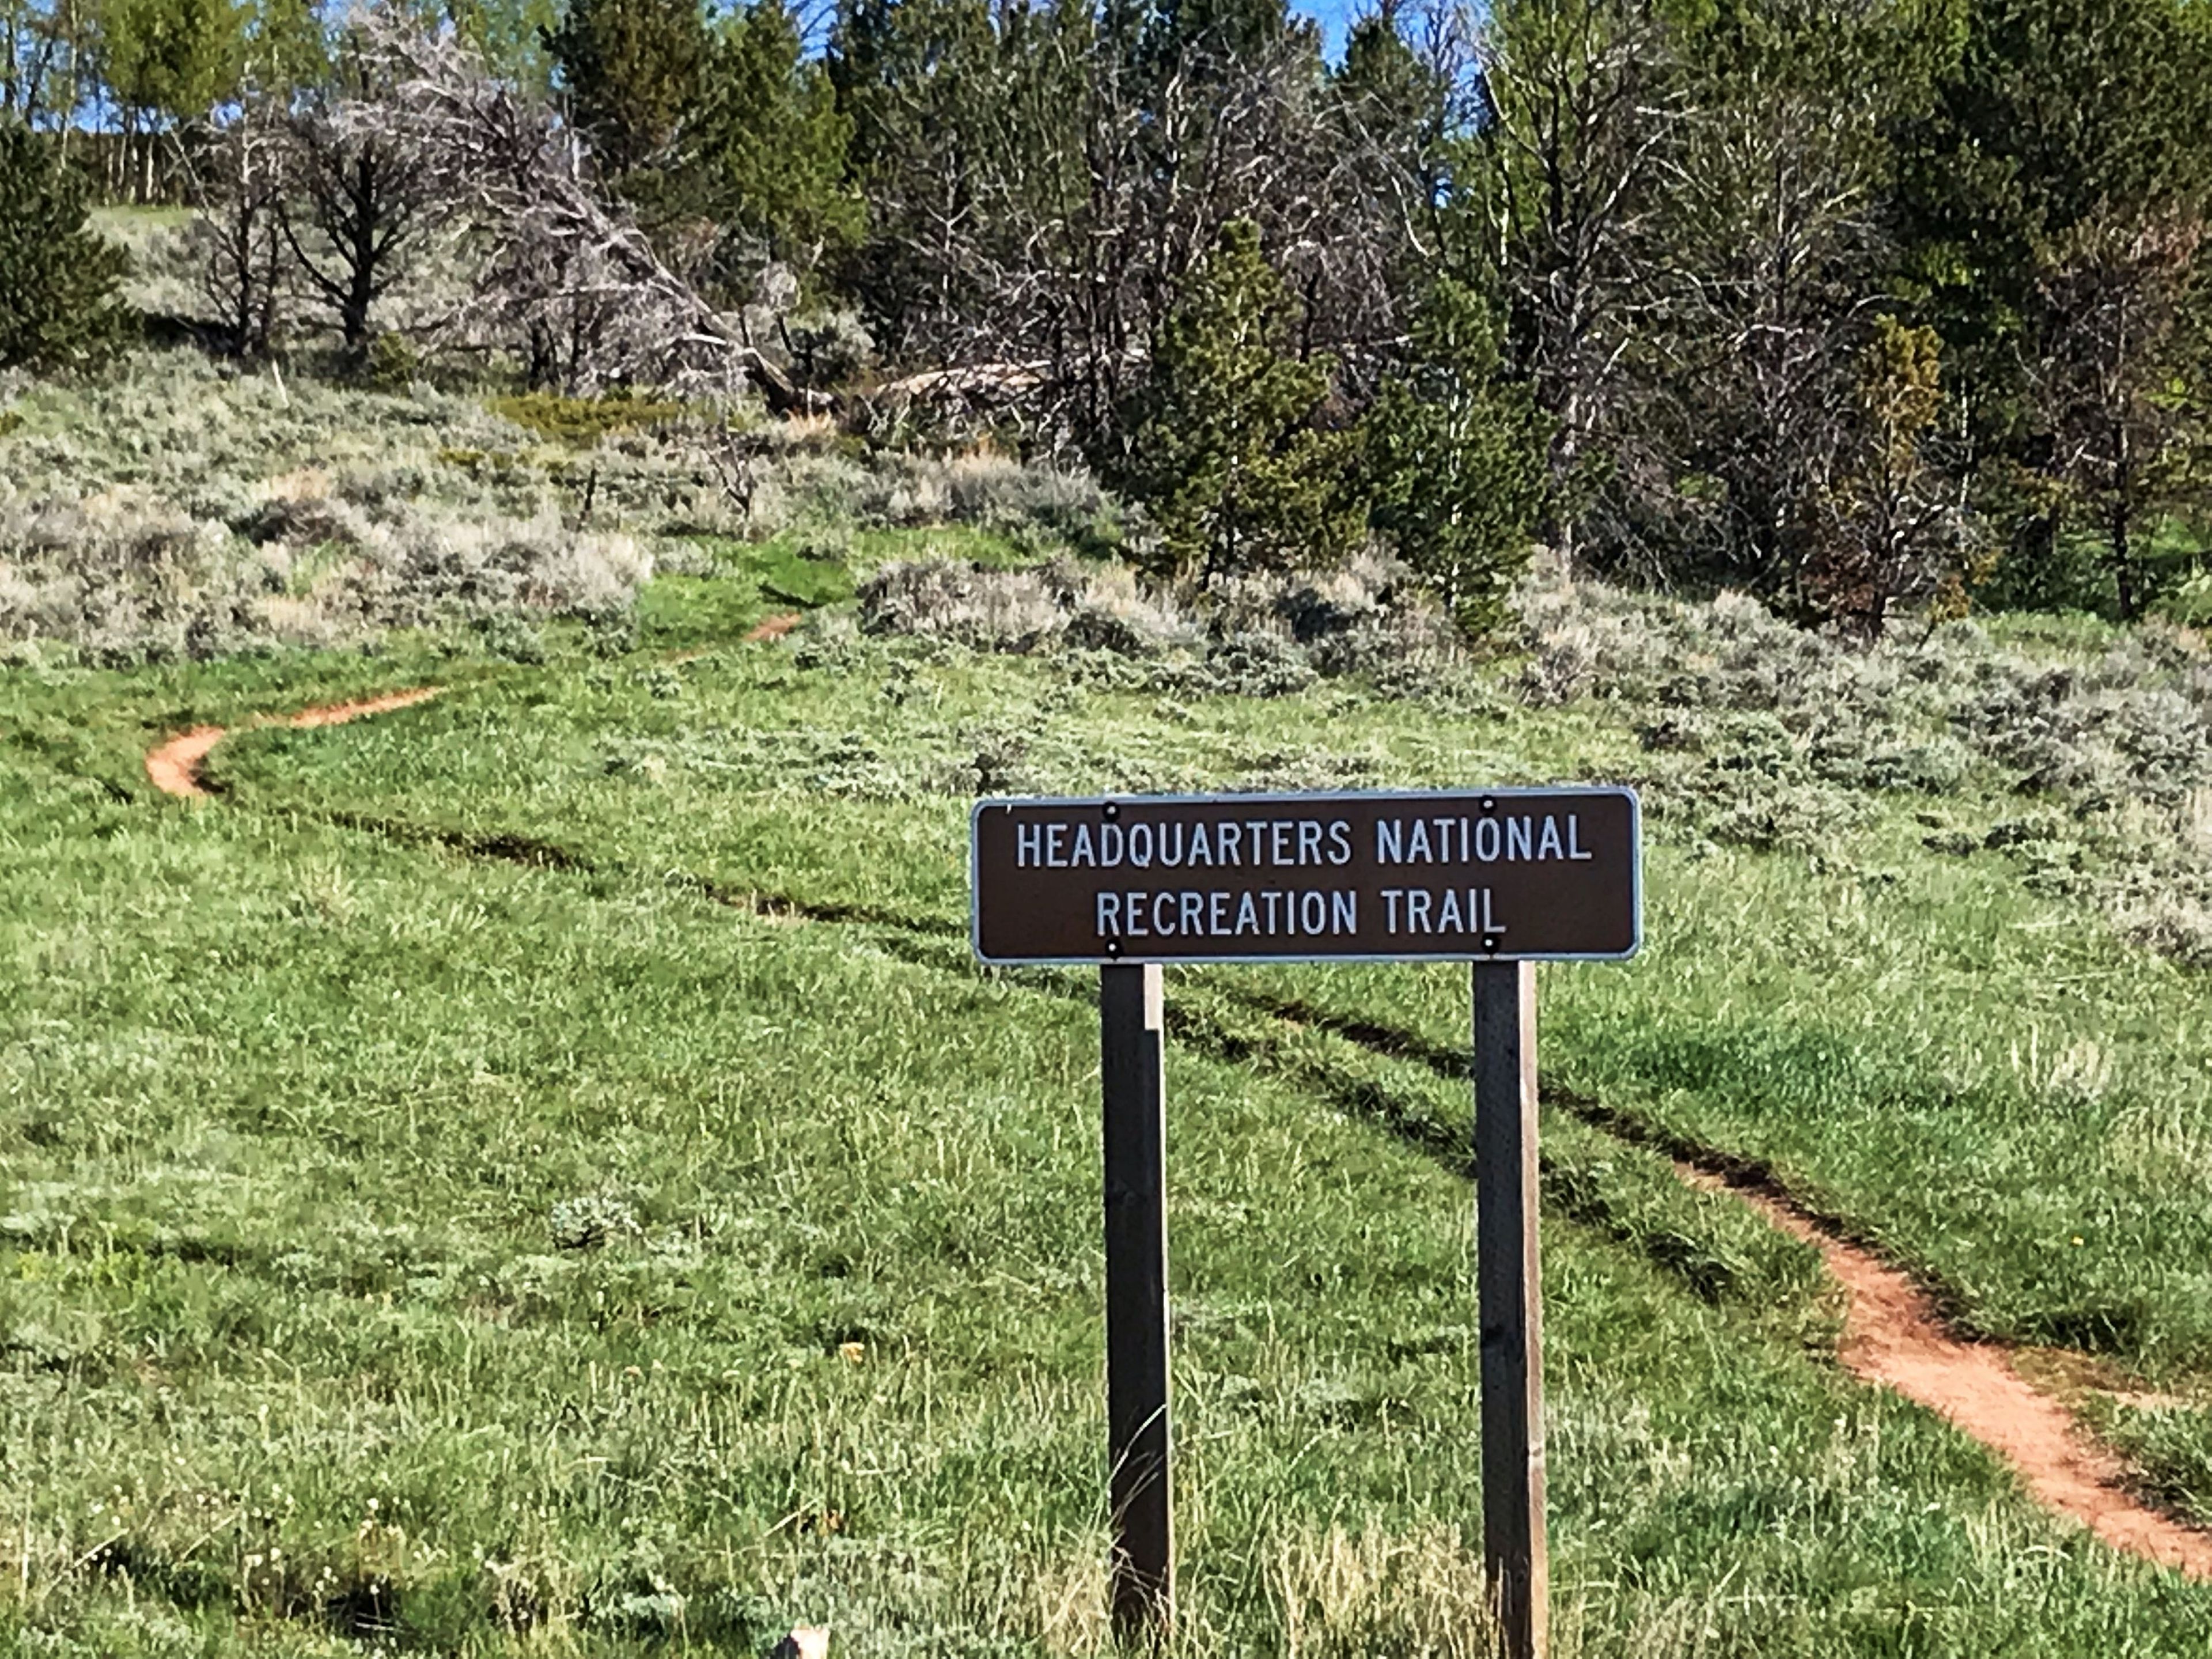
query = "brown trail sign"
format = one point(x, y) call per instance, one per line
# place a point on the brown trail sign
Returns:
point(1498, 877)
point(1500, 873)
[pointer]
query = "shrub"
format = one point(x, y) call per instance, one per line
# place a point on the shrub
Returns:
point(829, 348)
point(581, 423)
point(393, 364)
point(1062, 603)
point(2191, 602)
point(1253, 663)
point(126, 574)
point(1785, 818)
point(613, 633)
point(995, 610)
point(60, 277)
point(1937, 768)
point(985, 488)
point(505, 634)
point(1256, 636)
point(998, 765)
point(130, 574)
point(1226, 448)
point(2172, 926)
point(591, 1219)
point(423, 569)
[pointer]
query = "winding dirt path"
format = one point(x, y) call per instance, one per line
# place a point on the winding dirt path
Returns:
point(173, 765)
point(1892, 1335)
point(774, 627)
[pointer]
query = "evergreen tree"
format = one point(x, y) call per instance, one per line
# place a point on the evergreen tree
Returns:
point(59, 276)
point(633, 70)
point(1457, 457)
point(766, 156)
point(2058, 166)
point(1896, 528)
point(1169, 39)
point(1226, 452)
point(511, 36)
point(282, 50)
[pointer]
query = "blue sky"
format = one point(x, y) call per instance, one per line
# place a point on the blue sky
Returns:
point(1333, 15)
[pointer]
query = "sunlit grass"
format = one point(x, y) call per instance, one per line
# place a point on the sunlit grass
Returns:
point(493, 1254)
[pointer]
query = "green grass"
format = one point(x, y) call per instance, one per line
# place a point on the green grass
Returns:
point(1971, 1073)
point(303, 1091)
point(119, 222)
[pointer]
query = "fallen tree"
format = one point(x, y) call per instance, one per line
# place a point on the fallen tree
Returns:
point(567, 277)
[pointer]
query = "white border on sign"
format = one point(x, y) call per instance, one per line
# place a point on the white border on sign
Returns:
point(1310, 797)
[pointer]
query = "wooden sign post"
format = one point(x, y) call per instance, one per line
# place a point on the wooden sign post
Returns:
point(1509, 1304)
point(1502, 878)
point(1130, 1012)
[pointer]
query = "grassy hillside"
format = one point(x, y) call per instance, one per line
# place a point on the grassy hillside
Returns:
point(539, 1171)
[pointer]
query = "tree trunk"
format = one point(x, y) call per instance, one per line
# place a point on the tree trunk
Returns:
point(2123, 575)
point(361, 263)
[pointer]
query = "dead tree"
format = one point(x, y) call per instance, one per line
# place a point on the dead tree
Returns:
point(1894, 524)
point(2114, 342)
point(568, 276)
point(1061, 228)
point(364, 192)
point(1763, 267)
point(1584, 122)
point(244, 258)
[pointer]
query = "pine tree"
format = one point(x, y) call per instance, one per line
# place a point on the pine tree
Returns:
point(59, 276)
point(1226, 451)
point(2058, 164)
point(1458, 457)
point(767, 154)
point(633, 70)
point(1895, 528)
point(511, 36)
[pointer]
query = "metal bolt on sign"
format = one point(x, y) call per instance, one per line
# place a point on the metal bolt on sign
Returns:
point(1500, 878)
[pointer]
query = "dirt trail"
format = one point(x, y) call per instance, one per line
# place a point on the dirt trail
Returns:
point(774, 627)
point(174, 764)
point(1892, 1335)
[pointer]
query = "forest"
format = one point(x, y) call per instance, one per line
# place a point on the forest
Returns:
point(1867, 308)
